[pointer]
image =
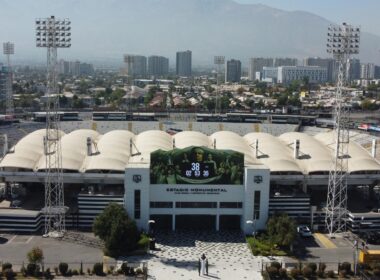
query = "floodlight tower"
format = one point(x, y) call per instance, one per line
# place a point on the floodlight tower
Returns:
point(342, 42)
point(218, 61)
point(8, 50)
point(52, 33)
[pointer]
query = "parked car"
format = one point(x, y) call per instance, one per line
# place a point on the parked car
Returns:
point(304, 231)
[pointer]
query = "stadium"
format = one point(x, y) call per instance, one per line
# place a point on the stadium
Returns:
point(271, 168)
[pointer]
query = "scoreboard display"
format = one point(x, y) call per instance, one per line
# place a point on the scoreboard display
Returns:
point(197, 165)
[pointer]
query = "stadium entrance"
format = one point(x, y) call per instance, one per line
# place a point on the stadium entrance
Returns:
point(196, 222)
point(229, 222)
point(162, 222)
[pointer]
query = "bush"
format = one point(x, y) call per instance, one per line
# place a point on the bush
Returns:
point(139, 270)
point(89, 271)
point(313, 267)
point(276, 265)
point(295, 272)
point(75, 272)
point(9, 274)
point(345, 266)
point(35, 255)
point(98, 269)
point(307, 272)
point(63, 268)
point(56, 270)
point(283, 273)
point(330, 274)
point(31, 269)
point(272, 271)
point(144, 242)
point(6, 266)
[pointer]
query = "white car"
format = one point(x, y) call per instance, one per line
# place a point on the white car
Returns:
point(304, 231)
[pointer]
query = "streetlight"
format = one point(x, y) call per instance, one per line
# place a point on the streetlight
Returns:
point(253, 223)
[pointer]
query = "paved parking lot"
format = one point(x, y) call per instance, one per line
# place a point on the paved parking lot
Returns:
point(14, 248)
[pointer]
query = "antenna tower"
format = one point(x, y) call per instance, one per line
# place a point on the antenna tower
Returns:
point(342, 42)
point(8, 50)
point(52, 33)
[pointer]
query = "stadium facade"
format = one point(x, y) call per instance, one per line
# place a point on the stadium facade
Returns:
point(152, 177)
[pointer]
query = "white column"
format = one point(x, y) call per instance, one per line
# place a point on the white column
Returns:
point(173, 222)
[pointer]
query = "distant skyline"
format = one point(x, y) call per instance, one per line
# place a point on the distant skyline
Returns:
point(104, 30)
point(359, 12)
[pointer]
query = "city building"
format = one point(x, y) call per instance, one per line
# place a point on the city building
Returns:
point(367, 71)
point(183, 63)
point(328, 63)
point(75, 68)
point(158, 65)
point(256, 64)
point(354, 69)
point(377, 72)
point(284, 61)
point(287, 74)
point(233, 71)
point(270, 74)
point(138, 68)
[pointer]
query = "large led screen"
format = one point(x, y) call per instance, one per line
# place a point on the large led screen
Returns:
point(196, 165)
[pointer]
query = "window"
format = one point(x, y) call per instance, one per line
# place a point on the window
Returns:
point(137, 204)
point(161, 204)
point(231, 205)
point(196, 205)
point(256, 205)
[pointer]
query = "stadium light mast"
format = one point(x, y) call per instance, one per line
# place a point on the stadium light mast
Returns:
point(342, 42)
point(53, 33)
point(8, 50)
point(218, 61)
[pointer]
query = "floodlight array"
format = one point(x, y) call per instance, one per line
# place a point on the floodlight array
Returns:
point(8, 48)
point(53, 33)
point(343, 39)
point(218, 59)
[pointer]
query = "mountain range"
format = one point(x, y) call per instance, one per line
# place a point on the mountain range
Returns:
point(105, 30)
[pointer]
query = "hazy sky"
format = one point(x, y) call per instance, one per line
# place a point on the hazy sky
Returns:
point(106, 29)
point(359, 12)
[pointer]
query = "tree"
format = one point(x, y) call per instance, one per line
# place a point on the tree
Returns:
point(117, 230)
point(281, 230)
point(35, 255)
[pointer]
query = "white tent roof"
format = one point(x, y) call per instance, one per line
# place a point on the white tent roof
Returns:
point(114, 150)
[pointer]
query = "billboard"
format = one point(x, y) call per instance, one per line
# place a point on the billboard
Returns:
point(196, 165)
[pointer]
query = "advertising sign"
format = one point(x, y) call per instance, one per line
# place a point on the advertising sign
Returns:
point(197, 165)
